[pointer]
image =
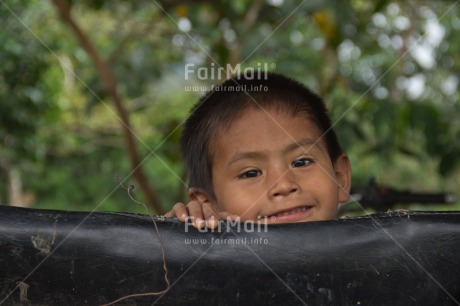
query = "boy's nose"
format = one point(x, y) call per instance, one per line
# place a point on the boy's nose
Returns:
point(283, 186)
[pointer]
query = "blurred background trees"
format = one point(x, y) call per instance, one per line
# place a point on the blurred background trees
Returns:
point(92, 89)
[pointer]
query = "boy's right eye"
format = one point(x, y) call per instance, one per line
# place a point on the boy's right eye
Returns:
point(250, 173)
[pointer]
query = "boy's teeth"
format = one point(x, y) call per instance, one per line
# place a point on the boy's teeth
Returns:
point(291, 211)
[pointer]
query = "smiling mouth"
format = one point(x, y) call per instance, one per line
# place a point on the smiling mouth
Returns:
point(295, 211)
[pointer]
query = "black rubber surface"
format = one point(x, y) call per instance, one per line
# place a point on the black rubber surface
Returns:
point(76, 258)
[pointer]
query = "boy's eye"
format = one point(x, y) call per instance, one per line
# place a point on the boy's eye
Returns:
point(301, 162)
point(250, 173)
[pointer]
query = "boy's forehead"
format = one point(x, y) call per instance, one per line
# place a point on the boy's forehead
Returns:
point(257, 119)
point(259, 128)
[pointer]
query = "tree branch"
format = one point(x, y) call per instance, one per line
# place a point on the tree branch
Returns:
point(110, 86)
point(249, 21)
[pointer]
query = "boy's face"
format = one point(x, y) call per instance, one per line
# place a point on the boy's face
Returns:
point(270, 164)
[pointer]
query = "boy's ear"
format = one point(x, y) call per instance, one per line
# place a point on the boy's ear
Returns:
point(343, 176)
point(200, 195)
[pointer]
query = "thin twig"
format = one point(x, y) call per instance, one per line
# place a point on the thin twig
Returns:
point(129, 189)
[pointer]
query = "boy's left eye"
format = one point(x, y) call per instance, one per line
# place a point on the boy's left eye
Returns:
point(250, 173)
point(301, 162)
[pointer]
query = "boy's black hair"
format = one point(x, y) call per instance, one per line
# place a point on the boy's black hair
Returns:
point(222, 105)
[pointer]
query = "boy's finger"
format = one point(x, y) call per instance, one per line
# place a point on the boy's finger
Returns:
point(169, 214)
point(210, 216)
point(178, 211)
point(195, 211)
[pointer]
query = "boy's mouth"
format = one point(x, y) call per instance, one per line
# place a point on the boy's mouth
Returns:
point(290, 215)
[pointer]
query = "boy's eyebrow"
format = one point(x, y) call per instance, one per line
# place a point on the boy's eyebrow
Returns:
point(260, 154)
point(245, 155)
point(299, 144)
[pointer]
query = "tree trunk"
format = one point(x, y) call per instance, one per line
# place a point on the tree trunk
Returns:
point(16, 196)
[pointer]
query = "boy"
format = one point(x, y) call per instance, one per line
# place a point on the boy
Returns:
point(263, 150)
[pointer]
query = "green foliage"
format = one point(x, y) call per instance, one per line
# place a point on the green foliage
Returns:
point(395, 110)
